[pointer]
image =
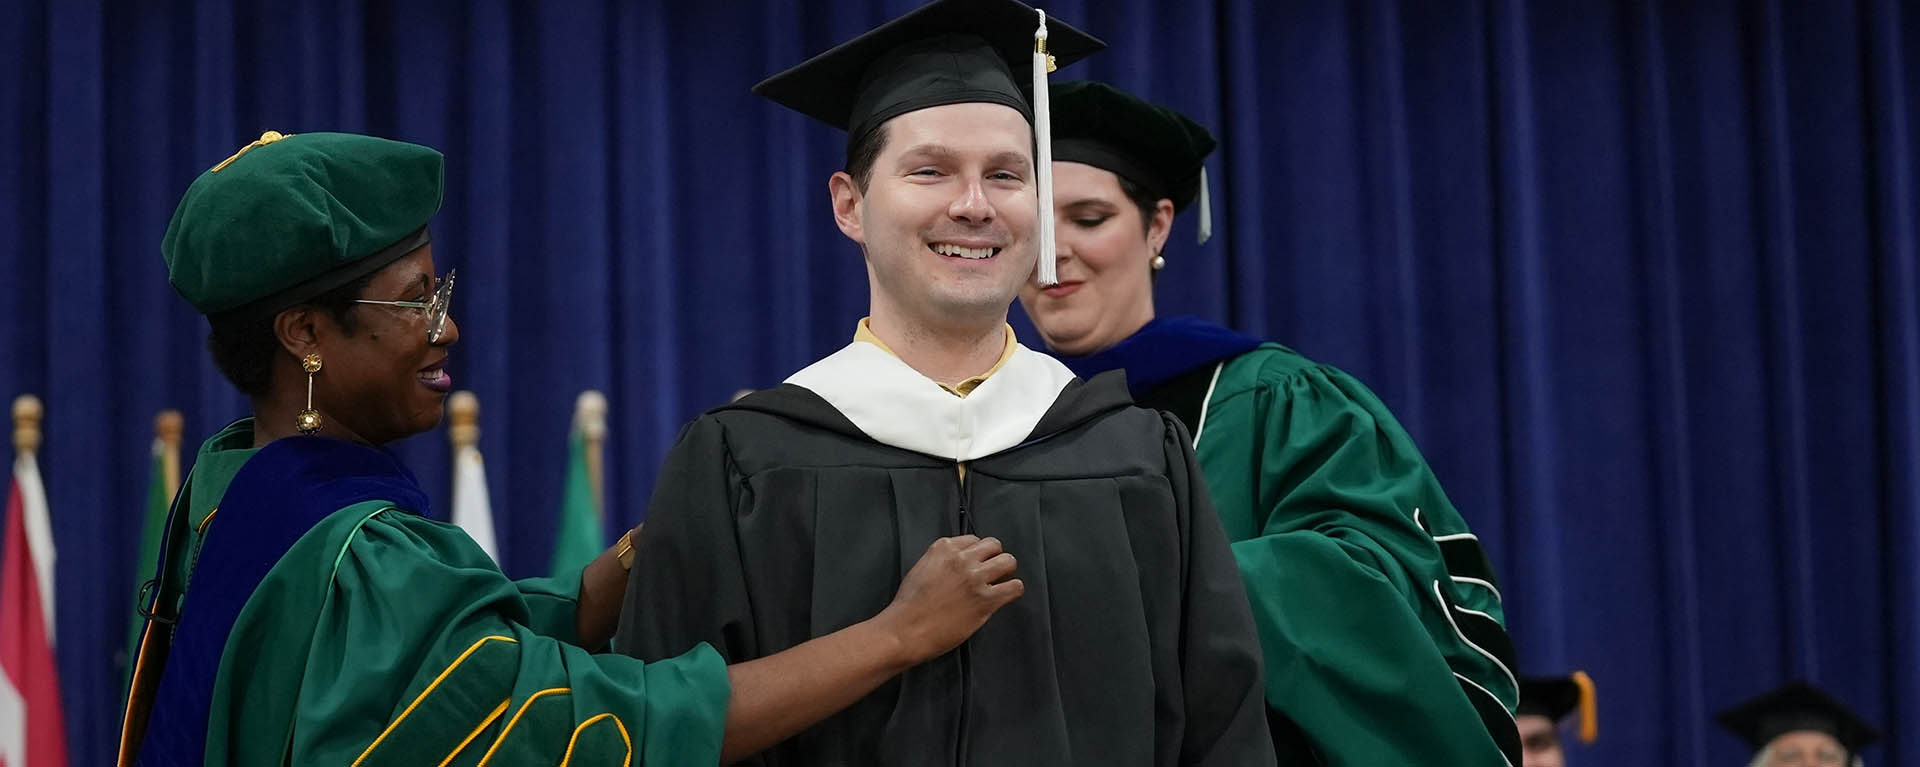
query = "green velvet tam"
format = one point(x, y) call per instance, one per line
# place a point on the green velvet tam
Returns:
point(290, 217)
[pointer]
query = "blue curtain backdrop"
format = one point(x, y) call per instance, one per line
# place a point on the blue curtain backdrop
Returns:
point(1640, 276)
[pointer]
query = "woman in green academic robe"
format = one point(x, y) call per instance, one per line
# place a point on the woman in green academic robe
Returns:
point(306, 613)
point(1377, 611)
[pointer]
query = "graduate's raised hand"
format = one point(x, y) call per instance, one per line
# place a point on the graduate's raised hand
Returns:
point(949, 594)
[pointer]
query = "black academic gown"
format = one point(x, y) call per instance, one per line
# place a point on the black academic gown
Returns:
point(777, 519)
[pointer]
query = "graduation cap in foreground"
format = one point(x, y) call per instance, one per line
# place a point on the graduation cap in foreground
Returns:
point(945, 52)
point(1794, 707)
point(1556, 696)
point(1158, 149)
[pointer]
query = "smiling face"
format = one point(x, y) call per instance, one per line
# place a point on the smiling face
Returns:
point(947, 218)
point(380, 379)
point(1105, 254)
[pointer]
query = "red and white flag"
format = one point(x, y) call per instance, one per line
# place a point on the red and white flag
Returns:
point(32, 730)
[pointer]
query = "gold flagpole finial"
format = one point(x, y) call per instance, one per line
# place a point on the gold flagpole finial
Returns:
point(463, 413)
point(167, 426)
point(27, 413)
point(590, 415)
point(265, 139)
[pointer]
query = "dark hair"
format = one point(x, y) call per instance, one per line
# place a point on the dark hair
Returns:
point(863, 152)
point(1146, 201)
point(244, 348)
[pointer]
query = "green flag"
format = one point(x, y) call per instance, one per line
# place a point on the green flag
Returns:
point(159, 497)
point(579, 538)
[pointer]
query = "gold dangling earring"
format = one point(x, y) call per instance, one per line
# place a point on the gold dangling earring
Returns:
point(309, 420)
point(1158, 262)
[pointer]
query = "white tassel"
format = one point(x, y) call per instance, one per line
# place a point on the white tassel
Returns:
point(1043, 141)
point(1206, 211)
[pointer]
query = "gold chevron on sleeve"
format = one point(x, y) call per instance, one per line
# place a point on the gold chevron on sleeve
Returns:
point(430, 689)
point(627, 761)
point(524, 705)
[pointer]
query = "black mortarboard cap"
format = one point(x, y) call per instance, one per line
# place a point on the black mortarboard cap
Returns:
point(945, 52)
point(1554, 697)
point(1793, 707)
point(1155, 147)
point(1551, 697)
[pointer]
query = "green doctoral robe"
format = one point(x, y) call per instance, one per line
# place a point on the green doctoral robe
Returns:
point(1377, 609)
point(385, 638)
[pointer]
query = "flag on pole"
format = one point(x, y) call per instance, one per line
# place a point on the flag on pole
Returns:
point(472, 507)
point(32, 730)
point(580, 538)
point(163, 481)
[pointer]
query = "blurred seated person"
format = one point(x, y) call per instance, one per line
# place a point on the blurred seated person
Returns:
point(1799, 725)
point(1545, 703)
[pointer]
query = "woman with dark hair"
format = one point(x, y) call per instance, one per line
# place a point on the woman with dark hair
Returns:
point(1377, 610)
point(306, 612)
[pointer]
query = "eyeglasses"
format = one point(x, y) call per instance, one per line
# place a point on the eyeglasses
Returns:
point(435, 309)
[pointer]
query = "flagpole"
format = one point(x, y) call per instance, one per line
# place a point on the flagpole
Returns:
point(591, 412)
